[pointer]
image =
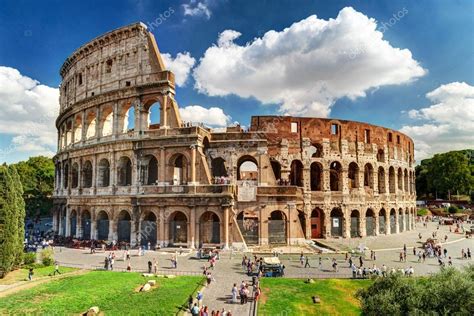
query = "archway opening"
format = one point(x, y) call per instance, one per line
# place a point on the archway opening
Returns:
point(124, 227)
point(316, 176)
point(178, 228)
point(370, 222)
point(102, 226)
point(277, 228)
point(355, 222)
point(248, 225)
point(335, 176)
point(209, 228)
point(296, 173)
point(337, 218)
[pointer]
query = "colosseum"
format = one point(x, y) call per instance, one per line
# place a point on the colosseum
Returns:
point(129, 169)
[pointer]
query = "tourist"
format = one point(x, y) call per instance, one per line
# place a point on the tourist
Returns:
point(306, 265)
point(30, 274)
point(234, 293)
point(56, 268)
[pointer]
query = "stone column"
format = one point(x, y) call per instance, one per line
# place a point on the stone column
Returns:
point(192, 228)
point(193, 165)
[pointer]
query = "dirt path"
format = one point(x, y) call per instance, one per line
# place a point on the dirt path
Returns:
point(23, 285)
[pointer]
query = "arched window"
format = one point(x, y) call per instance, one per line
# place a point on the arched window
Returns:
point(104, 173)
point(353, 175)
point(247, 168)
point(124, 171)
point(87, 174)
point(296, 174)
point(218, 167)
point(335, 176)
point(316, 176)
point(75, 175)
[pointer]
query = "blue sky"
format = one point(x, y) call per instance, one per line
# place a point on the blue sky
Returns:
point(37, 36)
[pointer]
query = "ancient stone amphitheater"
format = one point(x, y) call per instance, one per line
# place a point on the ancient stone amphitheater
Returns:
point(129, 169)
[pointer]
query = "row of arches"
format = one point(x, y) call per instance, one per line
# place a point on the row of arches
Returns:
point(121, 228)
point(100, 122)
point(178, 170)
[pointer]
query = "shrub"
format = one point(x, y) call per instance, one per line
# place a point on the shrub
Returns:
point(29, 258)
point(47, 257)
point(422, 212)
point(453, 209)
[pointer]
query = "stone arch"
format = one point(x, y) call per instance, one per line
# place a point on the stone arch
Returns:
point(400, 179)
point(353, 175)
point(103, 173)
point(87, 174)
point(316, 176)
point(393, 227)
point(209, 228)
point(102, 225)
point(391, 179)
point(73, 223)
point(337, 222)
point(317, 220)
point(381, 180)
point(179, 169)
point(86, 224)
point(75, 175)
point(149, 169)
point(91, 122)
point(380, 155)
point(178, 230)
point(107, 121)
point(383, 221)
point(148, 229)
point(277, 227)
point(247, 168)
point(66, 175)
point(335, 176)
point(355, 223)
point(368, 176)
point(249, 227)
point(370, 222)
point(124, 171)
point(296, 173)
point(218, 167)
point(124, 226)
point(276, 167)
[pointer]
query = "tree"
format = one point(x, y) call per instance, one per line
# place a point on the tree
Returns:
point(37, 177)
point(12, 219)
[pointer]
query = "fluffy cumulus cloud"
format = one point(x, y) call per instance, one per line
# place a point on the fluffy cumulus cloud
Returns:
point(180, 65)
point(308, 66)
point(447, 124)
point(214, 116)
point(197, 8)
point(28, 111)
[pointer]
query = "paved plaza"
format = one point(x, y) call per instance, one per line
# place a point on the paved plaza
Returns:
point(229, 270)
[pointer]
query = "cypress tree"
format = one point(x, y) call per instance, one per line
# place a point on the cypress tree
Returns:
point(8, 223)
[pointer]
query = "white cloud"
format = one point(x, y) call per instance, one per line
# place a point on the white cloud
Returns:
point(197, 8)
point(180, 65)
point(308, 66)
point(213, 116)
point(28, 111)
point(447, 124)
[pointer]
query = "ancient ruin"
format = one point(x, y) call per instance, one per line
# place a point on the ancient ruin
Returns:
point(123, 174)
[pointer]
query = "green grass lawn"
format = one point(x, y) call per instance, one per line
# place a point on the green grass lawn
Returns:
point(113, 292)
point(293, 297)
point(22, 274)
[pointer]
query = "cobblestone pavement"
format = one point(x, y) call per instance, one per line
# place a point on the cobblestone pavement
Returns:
point(228, 270)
